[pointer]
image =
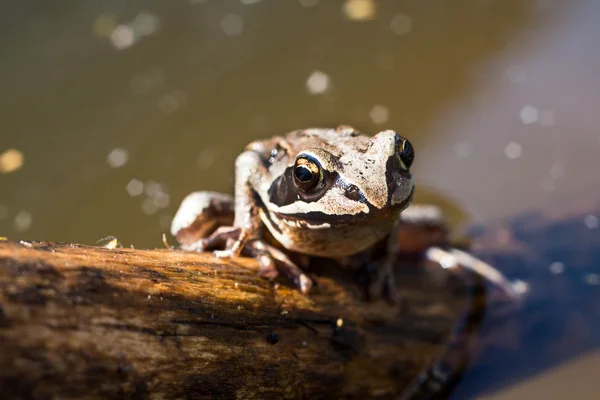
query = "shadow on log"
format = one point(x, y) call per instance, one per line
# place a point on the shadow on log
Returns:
point(81, 321)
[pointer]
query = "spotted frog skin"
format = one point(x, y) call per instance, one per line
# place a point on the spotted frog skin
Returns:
point(333, 193)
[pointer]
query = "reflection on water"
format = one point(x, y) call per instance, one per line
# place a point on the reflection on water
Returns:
point(556, 253)
point(112, 111)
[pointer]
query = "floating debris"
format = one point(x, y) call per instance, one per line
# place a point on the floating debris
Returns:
point(513, 150)
point(592, 279)
point(379, 114)
point(145, 24)
point(122, 37)
point(557, 267)
point(22, 221)
point(401, 24)
point(135, 187)
point(157, 194)
point(117, 157)
point(359, 10)
point(529, 115)
point(3, 238)
point(232, 24)
point(10, 161)
point(104, 26)
point(591, 221)
point(149, 207)
point(520, 287)
point(317, 82)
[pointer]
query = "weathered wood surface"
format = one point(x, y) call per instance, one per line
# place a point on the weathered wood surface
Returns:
point(90, 322)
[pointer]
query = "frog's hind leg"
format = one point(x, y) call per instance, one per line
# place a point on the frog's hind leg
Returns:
point(199, 220)
point(423, 230)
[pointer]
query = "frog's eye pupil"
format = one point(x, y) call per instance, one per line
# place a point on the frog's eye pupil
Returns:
point(303, 174)
point(307, 174)
point(406, 153)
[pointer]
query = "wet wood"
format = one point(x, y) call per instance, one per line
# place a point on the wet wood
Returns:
point(81, 321)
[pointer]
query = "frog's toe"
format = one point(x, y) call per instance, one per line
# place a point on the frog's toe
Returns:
point(268, 268)
point(198, 246)
point(224, 253)
point(273, 261)
point(379, 282)
point(217, 240)
point(290, 270)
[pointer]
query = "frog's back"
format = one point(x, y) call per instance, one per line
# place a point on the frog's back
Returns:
point(338, 141)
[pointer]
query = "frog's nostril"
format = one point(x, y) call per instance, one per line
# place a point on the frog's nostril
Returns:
point(353, 193)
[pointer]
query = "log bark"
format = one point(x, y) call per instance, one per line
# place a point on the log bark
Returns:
point(79, 321)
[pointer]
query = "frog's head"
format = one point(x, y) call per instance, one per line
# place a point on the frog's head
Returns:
point(351, 180)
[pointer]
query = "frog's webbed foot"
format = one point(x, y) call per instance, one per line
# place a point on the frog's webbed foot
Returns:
point(217, 240)
point(274, 261)
point(230, 242)
point(379, 281)
point(418, 228)
point(375, 274)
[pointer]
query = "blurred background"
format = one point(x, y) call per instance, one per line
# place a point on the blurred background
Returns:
point(112, 111)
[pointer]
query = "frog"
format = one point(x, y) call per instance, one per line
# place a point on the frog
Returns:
point(333, 193)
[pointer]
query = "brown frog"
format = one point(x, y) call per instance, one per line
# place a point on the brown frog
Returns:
point(333, 193)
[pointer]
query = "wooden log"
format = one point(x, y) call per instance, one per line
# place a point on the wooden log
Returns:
point(91, 322)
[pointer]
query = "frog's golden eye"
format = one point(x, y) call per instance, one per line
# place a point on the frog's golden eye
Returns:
point(307, 174)
point(405, 153)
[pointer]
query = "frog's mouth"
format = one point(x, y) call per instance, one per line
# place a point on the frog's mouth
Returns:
point(315, 220)
point(319, 220)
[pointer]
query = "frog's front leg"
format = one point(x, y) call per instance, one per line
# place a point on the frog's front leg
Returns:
point(249, 172)
point(194, 225)
point(415, 230)
point(246, 223)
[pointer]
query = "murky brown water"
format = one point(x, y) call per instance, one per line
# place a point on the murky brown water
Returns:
point(121, 108)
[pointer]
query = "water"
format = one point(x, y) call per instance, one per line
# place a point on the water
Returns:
point(116, 110)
